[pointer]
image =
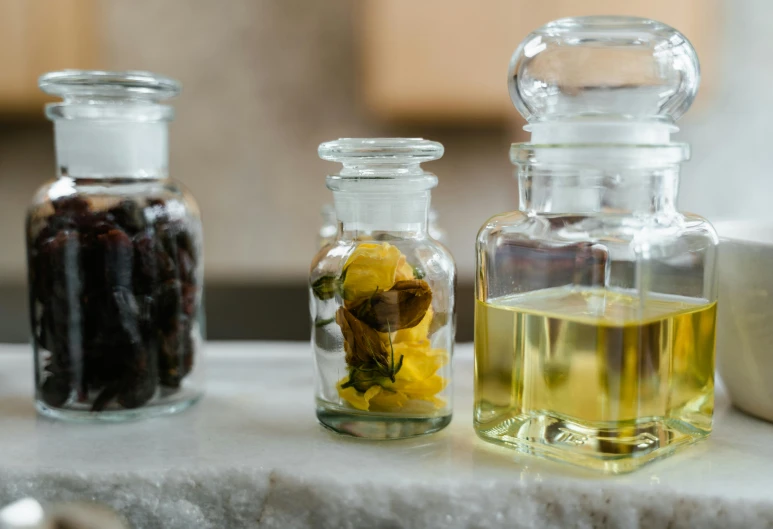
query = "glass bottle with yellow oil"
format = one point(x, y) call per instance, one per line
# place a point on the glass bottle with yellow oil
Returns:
point(596, 300)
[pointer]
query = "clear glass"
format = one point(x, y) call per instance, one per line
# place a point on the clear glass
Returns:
point(595, 312)
point(115, 267)
point(631, 68)
point(328, 230)
point(382, 297)
point(596, 301)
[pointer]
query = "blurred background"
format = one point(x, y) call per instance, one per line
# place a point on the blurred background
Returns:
point(265, 81)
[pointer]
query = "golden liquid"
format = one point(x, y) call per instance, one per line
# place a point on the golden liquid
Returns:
point(596, 377)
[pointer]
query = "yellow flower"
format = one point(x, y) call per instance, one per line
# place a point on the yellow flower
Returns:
point(369, 268)
point(419, 361)
point(376, 267)
point(417, 380)
point(358, 400)
point(387, 400)
point(416, 333)
point(404, 270)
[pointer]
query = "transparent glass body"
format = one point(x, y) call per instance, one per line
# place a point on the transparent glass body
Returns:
point(382, 296)
point(596, 300)
point(328, 230)
point(114, 257)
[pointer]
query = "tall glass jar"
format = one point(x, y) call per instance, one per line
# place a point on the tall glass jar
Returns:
point(596, 300)
point(382, 296)
point(114, 256)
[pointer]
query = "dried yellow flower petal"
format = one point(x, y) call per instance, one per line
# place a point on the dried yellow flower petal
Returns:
point(388, 400)
point(370, 268)
point(418, 332)
point(362, 344)
point(356, 399)
point(404, 270)
point(419, 361)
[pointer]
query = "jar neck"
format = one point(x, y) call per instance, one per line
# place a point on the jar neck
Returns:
point(583, 190)
point(108, 149)
point(363, 213)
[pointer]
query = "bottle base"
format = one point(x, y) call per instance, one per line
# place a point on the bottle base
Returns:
point(145, 412)
point(622, 449)
point(369, 425)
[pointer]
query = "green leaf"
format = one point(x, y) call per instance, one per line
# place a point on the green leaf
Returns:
point(325, 287)
point(322, 323)
point(418, 273)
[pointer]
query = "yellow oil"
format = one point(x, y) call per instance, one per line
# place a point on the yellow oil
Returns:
point(600, 378)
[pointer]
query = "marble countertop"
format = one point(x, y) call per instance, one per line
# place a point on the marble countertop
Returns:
point(251, 454)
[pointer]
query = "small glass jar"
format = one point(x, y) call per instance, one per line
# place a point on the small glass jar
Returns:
point(596, 301)
point(382, 296)
point(114, 253)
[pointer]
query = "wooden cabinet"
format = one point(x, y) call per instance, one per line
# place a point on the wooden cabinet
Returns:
point(446, 60)
point(38, 36)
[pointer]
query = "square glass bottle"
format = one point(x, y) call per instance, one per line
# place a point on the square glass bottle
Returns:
point(596, 300)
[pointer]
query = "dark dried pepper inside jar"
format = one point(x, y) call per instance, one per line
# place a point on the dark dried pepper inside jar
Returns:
point(114, 293)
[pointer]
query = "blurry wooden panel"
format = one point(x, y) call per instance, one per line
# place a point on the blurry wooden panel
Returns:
point(38, 36)
point(446, 60)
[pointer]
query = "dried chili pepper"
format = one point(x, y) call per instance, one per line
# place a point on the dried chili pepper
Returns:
point(114, 293)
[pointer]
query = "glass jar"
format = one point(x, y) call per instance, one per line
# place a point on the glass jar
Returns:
point(382, 296)
point(114, 253)
point(596, 301)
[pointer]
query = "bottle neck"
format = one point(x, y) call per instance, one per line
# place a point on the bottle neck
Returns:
point(111, 149)
point(580, 190)
point(361, 213)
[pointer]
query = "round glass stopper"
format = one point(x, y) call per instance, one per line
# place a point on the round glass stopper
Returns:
point(612, 68)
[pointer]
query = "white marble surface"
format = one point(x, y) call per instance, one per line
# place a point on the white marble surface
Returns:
point(251, 454)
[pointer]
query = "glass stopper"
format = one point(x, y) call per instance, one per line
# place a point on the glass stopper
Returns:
point(101, 95)
point(609, 68)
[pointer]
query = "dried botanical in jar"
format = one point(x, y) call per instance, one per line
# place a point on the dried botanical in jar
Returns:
point(114, 256)
point(382, 301)
point(114, 294)
point(387, 368)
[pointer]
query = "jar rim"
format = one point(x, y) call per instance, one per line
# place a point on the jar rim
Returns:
point(117, 85)
point(381, 150)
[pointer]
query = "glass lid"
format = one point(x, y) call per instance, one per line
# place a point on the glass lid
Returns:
point(103, 95)
point(604, 68)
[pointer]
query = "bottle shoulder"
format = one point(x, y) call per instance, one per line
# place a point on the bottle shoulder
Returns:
point(65, 203)
point(510, 223)
point(99, 191)
point(695, 225)
point(572, 228)
point(64, 186)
